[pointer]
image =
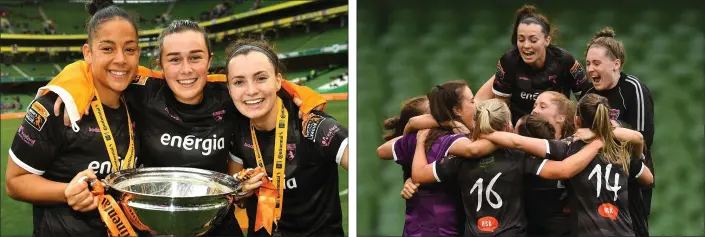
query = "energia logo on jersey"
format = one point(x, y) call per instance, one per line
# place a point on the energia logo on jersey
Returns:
point(191, 142)
point(288, 183)
point(105, 167)
point(529, 96)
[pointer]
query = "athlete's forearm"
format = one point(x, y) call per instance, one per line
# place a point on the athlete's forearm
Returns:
point(421, 170)
point(35, 189)
point(386, 151)
point(485, 92)
point(634, 138)
point(420, 122)
point(572, 165)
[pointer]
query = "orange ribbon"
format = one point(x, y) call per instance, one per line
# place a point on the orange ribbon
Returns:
point(111, 214)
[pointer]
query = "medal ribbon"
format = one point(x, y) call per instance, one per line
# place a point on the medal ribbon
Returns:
point(110, 212)
point(271, 195)
point(129, 160)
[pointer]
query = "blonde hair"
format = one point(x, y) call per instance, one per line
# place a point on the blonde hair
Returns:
point(567, 108)
point(594, 112)
point(491, 115)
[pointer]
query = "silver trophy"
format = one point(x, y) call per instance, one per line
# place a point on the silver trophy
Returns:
point(173, 201)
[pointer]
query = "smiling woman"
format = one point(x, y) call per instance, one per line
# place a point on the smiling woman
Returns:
point(183, 120)
point(185, 53)
point(313, 147)
point(533, 66)
point(45, 155)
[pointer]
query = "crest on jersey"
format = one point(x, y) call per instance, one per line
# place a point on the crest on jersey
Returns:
point(614, 114)
point(140, 80)
point(37, 116)
point(311, 124)
point(500, 70)
point(576, 71)
point(218, 115)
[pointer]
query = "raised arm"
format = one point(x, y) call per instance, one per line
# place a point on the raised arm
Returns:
point(468, 149)
point(572, 165)
point(534, 146)
point(386, 150)
point(421, 171)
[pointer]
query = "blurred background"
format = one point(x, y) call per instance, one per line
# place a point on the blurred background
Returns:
point(406, 47)
point(39, 37)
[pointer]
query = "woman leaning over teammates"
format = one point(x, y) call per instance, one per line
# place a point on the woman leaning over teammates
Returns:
point(533, 65)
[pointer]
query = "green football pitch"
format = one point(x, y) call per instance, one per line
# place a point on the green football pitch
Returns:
point(16, 217)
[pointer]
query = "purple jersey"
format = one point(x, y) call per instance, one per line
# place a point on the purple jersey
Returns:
point(434, 209)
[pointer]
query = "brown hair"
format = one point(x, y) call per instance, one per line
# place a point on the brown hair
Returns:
point(614, 49)
point(567, 108)
point(528, 14)
point(245, 46)
point(594, 113)
point(178, 26)
point(442, 100)
point(534, 126)
point(491, 115)
point(394, 126)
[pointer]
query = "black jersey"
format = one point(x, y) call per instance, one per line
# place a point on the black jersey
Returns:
point(631, 102)
point(45, 147)
point(522, 84)
point(599, 203)
point(175, 134)
point(311, 204)
point(182, 135)
point(491, 188)
point(547, 202)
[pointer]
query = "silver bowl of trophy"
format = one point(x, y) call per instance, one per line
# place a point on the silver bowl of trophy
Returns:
point(171, 200)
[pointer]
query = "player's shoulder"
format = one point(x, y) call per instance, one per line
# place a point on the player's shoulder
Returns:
point(632, 82)
point(562, 55)
point(44, 104)
point(40, 111)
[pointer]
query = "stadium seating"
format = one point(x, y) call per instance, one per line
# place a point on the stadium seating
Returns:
point(416, 46)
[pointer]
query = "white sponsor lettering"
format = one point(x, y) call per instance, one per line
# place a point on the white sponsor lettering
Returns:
point(190, 142)
point(288, 183)
point(529, 96)
point(105, 167)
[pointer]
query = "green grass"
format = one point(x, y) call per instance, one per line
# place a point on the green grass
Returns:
point(16, 217)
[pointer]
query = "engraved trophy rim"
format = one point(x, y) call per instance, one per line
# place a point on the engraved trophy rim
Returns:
point(112, 179)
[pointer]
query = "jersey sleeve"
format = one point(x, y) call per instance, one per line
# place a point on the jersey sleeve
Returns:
point(39, 137)
point(404, 148)
point(556, 149)
point(532, 165)
point(641, 109)
point(446, 168)
point(577, 79)
point(329, 136)
point(504, 78)
point(636, 167)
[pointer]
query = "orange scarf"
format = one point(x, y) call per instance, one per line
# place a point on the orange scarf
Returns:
point(75, 87)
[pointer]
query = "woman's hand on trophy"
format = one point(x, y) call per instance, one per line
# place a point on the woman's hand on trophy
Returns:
point(77, 193)
point(251, 180)
point(252, 184)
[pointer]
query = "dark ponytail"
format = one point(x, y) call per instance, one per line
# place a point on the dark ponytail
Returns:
point(102, 11)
